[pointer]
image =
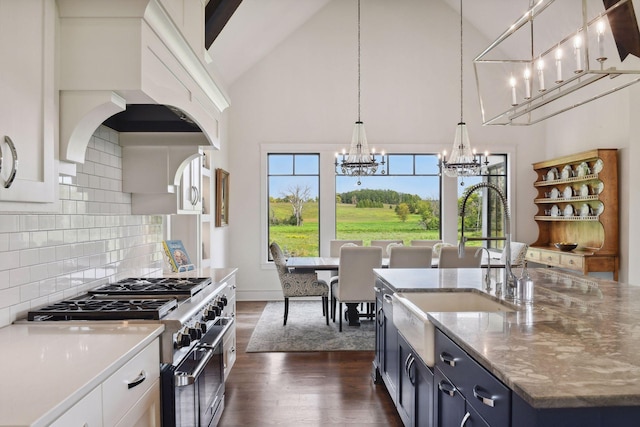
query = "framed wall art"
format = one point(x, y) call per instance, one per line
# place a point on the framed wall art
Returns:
point(222, 198)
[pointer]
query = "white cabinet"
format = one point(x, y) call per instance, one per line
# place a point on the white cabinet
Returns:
point(87, 412)
point(28, 108)
point(191, 187)
point(129, 397)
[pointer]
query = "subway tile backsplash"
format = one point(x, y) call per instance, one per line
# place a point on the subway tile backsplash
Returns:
point(93, 238)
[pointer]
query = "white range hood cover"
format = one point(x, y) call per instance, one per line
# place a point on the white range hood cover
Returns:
point(119, 52)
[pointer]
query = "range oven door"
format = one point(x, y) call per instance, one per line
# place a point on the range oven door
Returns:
point(193, 391)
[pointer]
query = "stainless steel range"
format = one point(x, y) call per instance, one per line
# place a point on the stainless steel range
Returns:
point(198, 317)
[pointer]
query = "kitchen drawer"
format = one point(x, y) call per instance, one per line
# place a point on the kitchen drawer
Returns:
point(146, 411)
point(484, 392)
point(571, 261)
point(119, 392)
point(533, 255)
point(87, 412)
point(550, 258)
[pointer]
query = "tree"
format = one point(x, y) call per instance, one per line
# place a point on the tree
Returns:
point(403, 211)
point(297, 196)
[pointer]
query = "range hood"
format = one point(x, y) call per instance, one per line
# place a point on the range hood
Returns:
point(144, 59)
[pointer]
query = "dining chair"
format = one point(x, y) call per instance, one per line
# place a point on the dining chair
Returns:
point(335, 245)
point(298, 284)
point(449, 258)
point(429, 243)
point(384, 244)
point(518, 254)
point(410, 257)
point(355, 281)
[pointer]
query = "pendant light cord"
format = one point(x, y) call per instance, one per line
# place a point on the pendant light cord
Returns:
point(359, 60)
point(461, 99)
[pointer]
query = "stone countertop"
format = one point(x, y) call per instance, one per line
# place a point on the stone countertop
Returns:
point(48, 367)
point(577, 345)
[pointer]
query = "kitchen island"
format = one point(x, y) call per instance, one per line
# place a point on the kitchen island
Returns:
point(575, 350)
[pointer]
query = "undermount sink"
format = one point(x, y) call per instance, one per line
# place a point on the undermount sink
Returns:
point(409, 315)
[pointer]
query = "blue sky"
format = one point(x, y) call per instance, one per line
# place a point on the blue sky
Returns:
point(306, 168)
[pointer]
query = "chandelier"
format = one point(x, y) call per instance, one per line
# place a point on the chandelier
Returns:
point(463, 161)
point(559, 55)
point(360, 161)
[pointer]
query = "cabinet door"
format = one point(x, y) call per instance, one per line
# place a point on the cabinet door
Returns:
point(146, 411)
point(27, 110)
point(449, 404)
point(191, 187)
point(391, 359)
point(87, 412)
point(406, 382)
point(423, 410)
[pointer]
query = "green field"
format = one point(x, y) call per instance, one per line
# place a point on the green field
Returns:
point(352, 223)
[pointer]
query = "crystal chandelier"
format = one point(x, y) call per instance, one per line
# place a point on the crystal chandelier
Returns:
point(360, 161)
point(463, 161)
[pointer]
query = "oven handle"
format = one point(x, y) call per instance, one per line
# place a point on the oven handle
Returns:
point(187, 378)
point(211, 345)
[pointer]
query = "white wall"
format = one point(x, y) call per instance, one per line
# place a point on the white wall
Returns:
point(304, 95)
point(93, 239)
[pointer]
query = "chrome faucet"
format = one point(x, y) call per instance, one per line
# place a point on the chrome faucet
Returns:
point(487, 277)
point(510, 279)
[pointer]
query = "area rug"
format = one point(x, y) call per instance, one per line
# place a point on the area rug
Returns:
point(306, 330)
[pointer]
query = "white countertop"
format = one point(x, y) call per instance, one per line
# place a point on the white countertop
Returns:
point(48, 367)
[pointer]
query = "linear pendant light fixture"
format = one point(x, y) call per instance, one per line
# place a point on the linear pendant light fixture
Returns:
point(360, 161)
point(463, 161)
point(559, 55)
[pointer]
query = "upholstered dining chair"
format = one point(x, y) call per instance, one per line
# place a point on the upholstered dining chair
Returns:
point(429, 243)
point(410, 257)
point(299, 284)
point(384, 244)
point(449, 257)
point(355, 281)
point(335, 245)
point(518, 254)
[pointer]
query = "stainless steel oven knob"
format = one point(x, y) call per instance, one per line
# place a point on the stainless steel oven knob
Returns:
point(201, 326)
point(220, 303)
point(194, 333)
point(211, 313)
point(224, 300)
point(182, 340)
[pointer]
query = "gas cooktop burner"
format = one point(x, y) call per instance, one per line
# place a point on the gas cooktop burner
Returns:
point(102, 309)
point(187, 286)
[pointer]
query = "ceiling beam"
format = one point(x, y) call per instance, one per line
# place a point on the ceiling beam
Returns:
point(216, 15)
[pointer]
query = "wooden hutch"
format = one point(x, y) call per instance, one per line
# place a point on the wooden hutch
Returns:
point(577, 202)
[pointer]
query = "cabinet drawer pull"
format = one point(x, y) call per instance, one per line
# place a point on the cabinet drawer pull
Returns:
point(412, 379)
point(138, 380)
point(447, 388)
point(14, 166)
point(484, 399)
point(464, 420)
point(448, 359)
point(570, 261)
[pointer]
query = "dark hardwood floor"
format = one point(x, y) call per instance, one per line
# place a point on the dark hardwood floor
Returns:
point(294, 389)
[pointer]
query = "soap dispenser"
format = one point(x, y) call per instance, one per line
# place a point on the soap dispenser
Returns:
point(525, 287)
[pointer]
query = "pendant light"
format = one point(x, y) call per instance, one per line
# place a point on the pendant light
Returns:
point(360, 161)
point(463, 161)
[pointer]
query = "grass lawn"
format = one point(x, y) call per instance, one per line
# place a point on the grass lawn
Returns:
point(352, 224)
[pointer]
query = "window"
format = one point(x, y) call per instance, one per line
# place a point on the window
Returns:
point(293, 198)
point(484, 213)
point(404, 203)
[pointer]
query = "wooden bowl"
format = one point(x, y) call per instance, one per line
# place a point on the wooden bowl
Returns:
point(566, 247)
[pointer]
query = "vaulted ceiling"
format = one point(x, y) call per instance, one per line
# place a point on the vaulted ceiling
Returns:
point(258, 26)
